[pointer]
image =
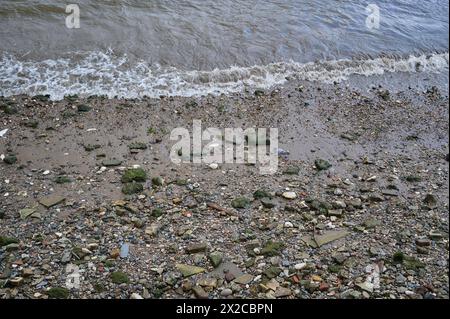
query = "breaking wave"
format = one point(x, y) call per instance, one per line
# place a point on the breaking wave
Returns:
point(103, 73)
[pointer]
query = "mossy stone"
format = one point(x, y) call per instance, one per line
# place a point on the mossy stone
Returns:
point(62, 179)
point(83, 108)
point(157, 212)
point(58, 293)
point(132, 188)
point(322, 164)
point(119, 277)
point(261, 194)
point(137, 146)
point(157, 181)
point(293, 170)
point(10, 159)
point(4, 241)
point(272, 249)
point(134, 175)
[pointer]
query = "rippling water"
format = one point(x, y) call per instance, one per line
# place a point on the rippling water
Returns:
point(133, 48)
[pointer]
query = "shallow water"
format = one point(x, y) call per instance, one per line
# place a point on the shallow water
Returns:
point(133, 48)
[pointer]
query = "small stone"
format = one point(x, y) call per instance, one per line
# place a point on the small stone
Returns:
point(134, 175)
point(62, 180)
point(423, 242)
point(157, 181)
point(137, 146)
point(376, 198)
point(213, 166)
point(244, 279)
point(119, 277)
point(111, 163)
point(16, 281)
point(293, 170)
point(272, 249)
point(132, 188)
point(289, 195)
point(208, 282)
point(83, 108)
point(200, 293)
point(216, 258)
point(288, 225)
point(335, 212)
point(272, 272)
point(10, 159)
point(322, 165)
point(261, 194)
point(58, 293)
point(372, 223)
point(267, 202)
point(196, 248)
point(430, 201)
point(240, 203)
point(366, 286)
point(299, 266)
point(226, 292)
point(136, 296)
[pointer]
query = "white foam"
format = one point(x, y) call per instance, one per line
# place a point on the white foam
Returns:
point(100, 73)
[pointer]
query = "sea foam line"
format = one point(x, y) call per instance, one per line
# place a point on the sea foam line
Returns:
point(99, 73)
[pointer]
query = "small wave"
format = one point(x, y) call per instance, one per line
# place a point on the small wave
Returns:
point(103, 73)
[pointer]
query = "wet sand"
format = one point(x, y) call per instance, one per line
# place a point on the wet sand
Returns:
point(385, 196)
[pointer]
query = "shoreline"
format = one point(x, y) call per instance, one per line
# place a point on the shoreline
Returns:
point(383, 204)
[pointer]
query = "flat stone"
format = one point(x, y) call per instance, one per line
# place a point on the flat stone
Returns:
point(188, 270)
point(372, 223)
point(51, 200)
point(329, 237)
point(366, 286)
point(390, 192)
point(283, 292)
point(244, 279)
point(335, 212)
point(423, 242)
point(208, 282)
point(27, 212)
point(226, 292)
point(196, 248)
point(111, 162)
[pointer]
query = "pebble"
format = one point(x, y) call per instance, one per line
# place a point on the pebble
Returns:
point(289, 195)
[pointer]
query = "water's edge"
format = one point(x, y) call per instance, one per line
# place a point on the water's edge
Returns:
point(100, 73)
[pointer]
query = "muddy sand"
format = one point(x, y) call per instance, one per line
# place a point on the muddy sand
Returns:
point(357, 209)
